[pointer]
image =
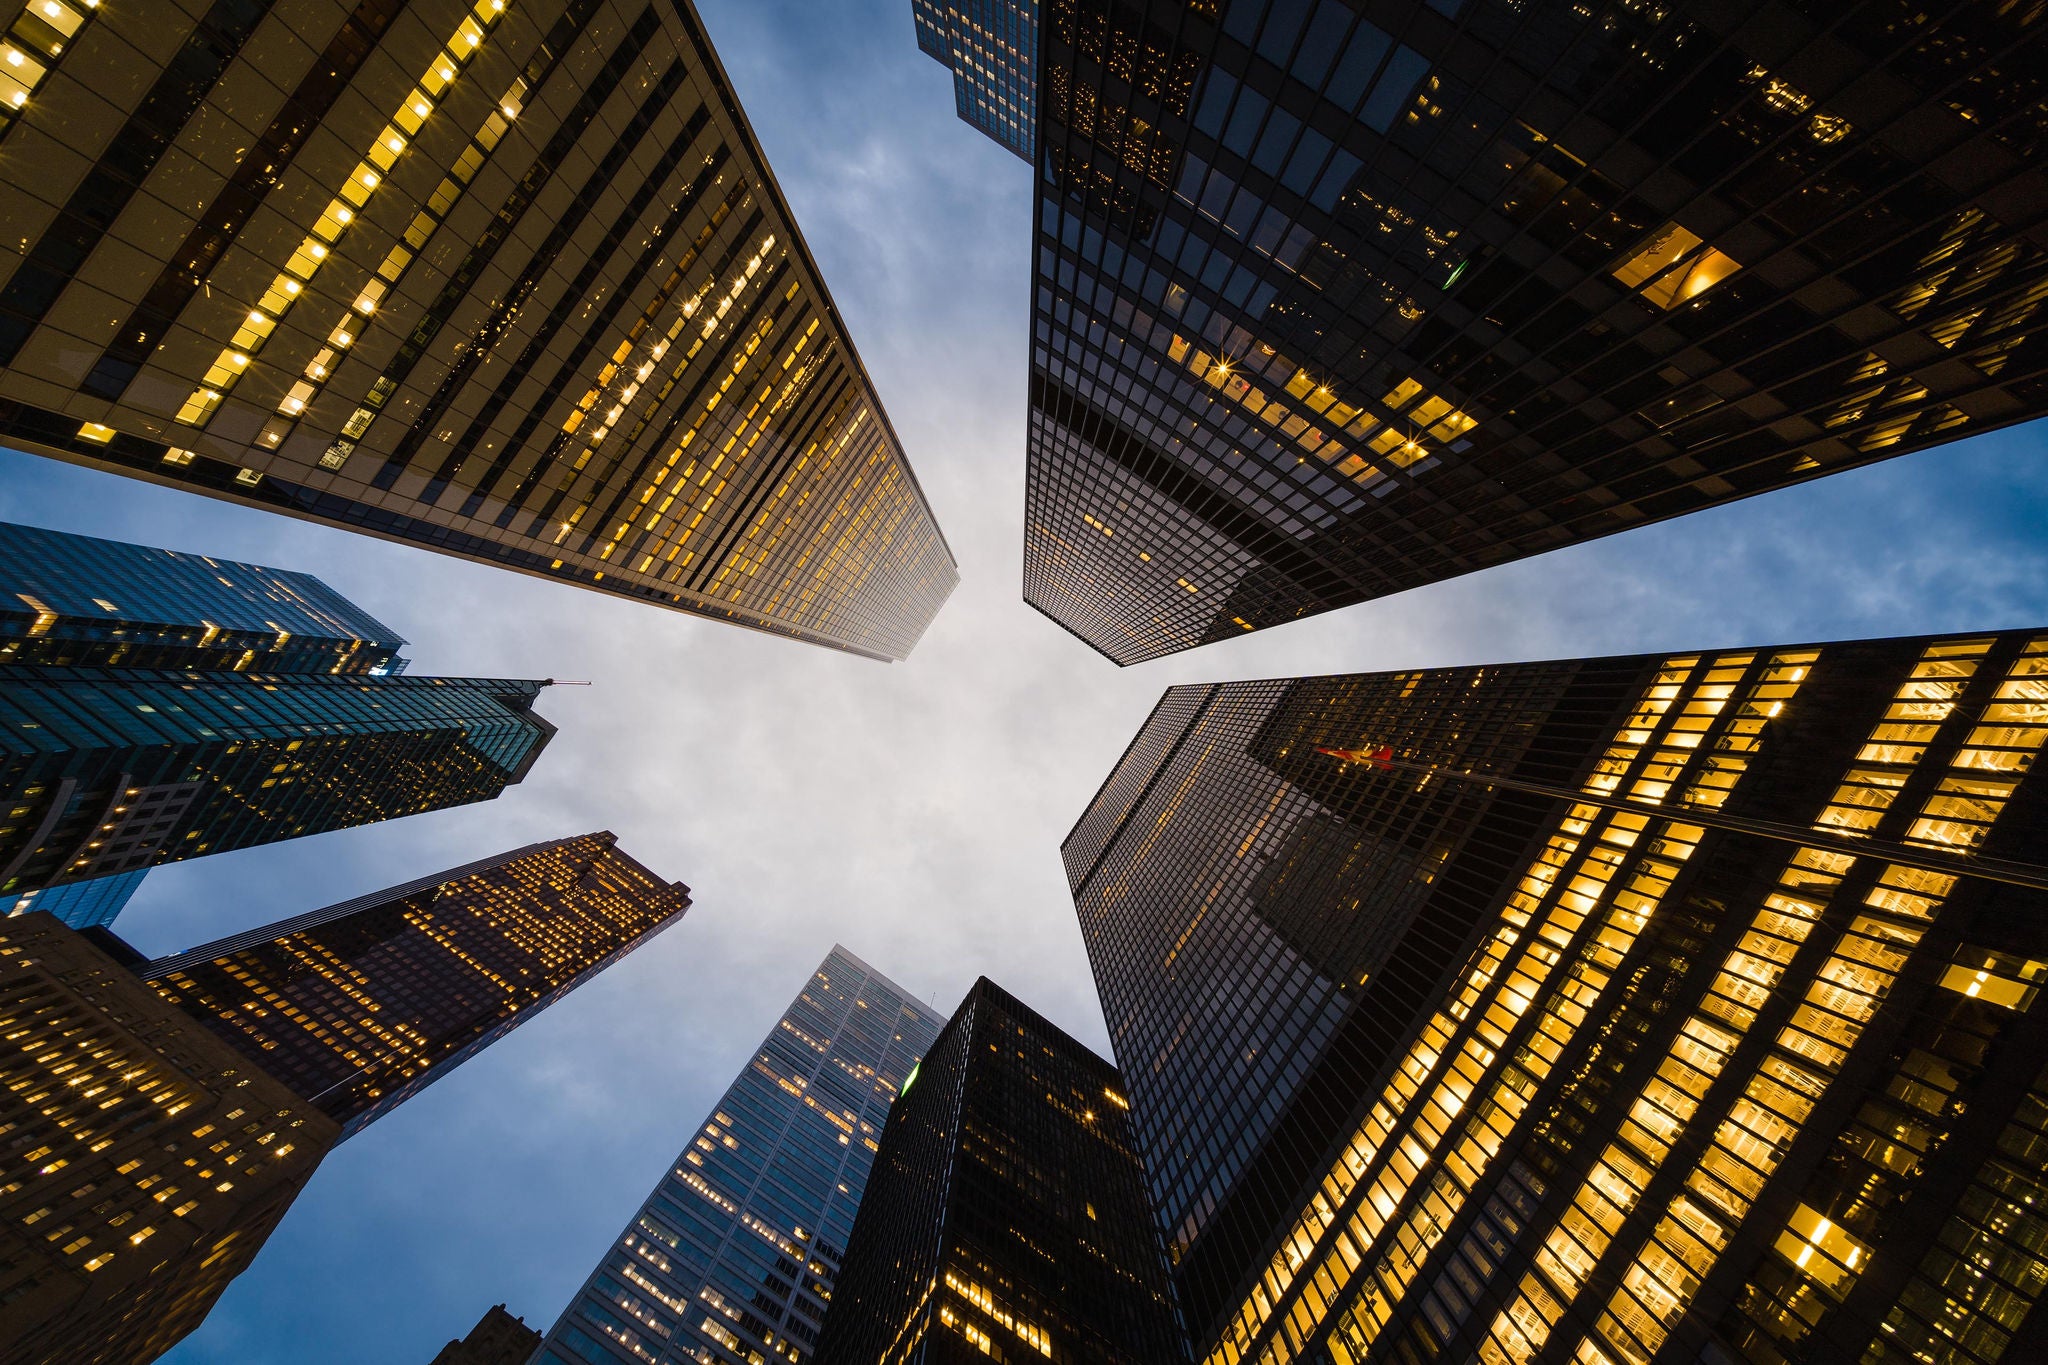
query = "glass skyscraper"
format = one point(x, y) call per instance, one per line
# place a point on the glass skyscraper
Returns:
point(991, 47)
point(509, 281)
point(108, 770)
point(362, 1004)
point(1335, 300)
point(82, 905)
point(1616, 1011)
point(733, 1258)
point(1007, 1215)
point(146, 1163)
point(158, 705)
point(78, 600)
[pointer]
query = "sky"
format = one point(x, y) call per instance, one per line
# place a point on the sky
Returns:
point(911, 811)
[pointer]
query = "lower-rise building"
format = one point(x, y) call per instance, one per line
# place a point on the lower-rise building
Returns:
point(1007, 1215)
point(160, 1117)
point(364, 1003)
point(146, 1160)
point(497, 1339)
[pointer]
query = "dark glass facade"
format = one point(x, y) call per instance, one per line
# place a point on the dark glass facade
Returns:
point(1650, 1009)
point(146, 1160)
point(1006, 1216)
point(82, 905)
point(506, 281)
point(77, 600)
point(497, 1339)
point(732, 1259)
point(107, 770)
point(991, 47)
point(365, 1003)
point(1337, 299)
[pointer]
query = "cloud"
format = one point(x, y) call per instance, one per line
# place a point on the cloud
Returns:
point(911, 811)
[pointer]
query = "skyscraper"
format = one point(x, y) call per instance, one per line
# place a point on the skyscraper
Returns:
point(734, 1255)
point(78, 600)
point(1008, 1216)
point(991, 47)
point(362, 1004)
point(110, 770)
point(509, 281)
point(82, 905)
point(1332, 301)
point(1619, 1010)
point(147, 1161)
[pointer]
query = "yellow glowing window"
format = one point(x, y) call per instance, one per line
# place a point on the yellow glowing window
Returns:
point(13, 93)
point(384, 152)
point(1995, 978)
point(22, 68)
point(199, 406)
point(1674, 266)
point(1826, 1252)
point(1403, 395)
point(97, 432)
point(336, 217)
point(254, 329)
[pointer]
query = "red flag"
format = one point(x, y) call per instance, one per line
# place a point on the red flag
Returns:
point(1379, 758)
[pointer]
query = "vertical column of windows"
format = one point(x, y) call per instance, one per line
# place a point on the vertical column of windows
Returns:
point(1657, 1284)
point(259, 169)
point(1997, 753)
point(397, 261)
point(404, 124)
point(539, 67)
point(36, 41)
point(1697, 1054)
point(1580, 868)
point(1751, 1140)
point(852, 530)
point(1897, 745)
point(620, 360)
point(504, 307)
point(753, 553)
point(1878, 1157)
point(704, 498)
point(807, 596)
point(736, 196)
point(1349, 1245)
point(653, 246)
point(104, 193)
point(1508, 1098)
point(515, 374)
point(749, 553)
point(1980, 1279)
point(742, 355)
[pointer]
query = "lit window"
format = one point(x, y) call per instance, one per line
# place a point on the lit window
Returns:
point(1823, 1250)
point(1995, 978)
point(1675, 266)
